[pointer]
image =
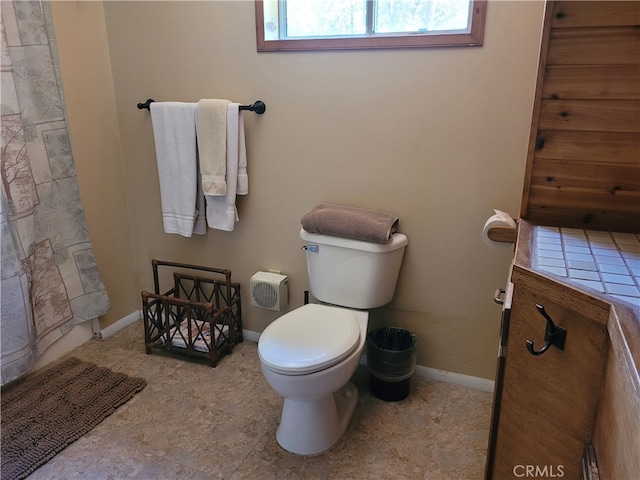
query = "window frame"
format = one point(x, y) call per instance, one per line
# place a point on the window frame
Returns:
point(474, 38)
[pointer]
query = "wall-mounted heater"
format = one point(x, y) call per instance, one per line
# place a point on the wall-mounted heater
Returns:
point(270, 291)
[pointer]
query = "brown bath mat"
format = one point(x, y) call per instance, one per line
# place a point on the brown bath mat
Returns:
point(50, 410)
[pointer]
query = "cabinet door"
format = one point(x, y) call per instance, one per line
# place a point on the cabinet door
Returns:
point(507, 295)
point(548, 401)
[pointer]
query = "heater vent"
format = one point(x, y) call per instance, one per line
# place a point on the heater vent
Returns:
point(269, 290)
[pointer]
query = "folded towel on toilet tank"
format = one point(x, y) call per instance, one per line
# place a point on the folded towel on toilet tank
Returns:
point(350, 222)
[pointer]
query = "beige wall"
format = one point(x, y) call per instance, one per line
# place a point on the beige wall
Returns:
point(436, 136)
point(88, 86)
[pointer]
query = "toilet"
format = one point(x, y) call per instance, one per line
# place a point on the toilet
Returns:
point(309, 354)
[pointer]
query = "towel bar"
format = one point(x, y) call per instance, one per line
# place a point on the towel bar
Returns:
point(259, 107)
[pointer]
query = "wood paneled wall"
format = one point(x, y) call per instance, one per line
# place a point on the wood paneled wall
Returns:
point(583, 165)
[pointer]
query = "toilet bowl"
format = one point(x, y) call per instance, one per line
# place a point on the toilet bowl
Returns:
point(308, 357)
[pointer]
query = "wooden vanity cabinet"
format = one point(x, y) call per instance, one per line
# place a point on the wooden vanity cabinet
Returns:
point(547, 402)
point(582, 171)
point(616, 434)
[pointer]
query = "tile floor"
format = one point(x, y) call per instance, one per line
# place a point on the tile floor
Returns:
point(197, 422)
point(606, 262)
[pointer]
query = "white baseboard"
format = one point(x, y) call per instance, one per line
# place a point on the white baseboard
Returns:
point(251, 335)
point(483, 384)
point(478, 383)
point(120, 324)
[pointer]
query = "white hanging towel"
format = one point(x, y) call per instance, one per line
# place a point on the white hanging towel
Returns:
point(200, 225)
point(243, 178)
point(174, 132)
point(212, 145)
point(221, 211)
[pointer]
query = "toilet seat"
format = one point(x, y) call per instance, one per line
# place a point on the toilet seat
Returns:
point(309, 339)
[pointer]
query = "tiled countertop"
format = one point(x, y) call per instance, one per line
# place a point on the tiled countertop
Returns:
point(606, 262)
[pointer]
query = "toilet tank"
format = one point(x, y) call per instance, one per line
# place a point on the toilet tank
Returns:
point(353, 273)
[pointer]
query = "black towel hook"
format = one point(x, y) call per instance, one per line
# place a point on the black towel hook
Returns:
point(553, 335)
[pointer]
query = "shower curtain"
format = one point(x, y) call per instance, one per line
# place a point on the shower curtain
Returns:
point(49, 280)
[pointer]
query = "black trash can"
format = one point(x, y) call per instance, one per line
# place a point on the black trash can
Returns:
point(391, 356)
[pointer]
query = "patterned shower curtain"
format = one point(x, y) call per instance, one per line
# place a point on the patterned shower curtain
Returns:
point(49, 280)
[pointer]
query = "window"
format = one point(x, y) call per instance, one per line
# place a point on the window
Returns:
point(350, 24)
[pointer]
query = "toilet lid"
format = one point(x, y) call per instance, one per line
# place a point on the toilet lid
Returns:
point(309, 339)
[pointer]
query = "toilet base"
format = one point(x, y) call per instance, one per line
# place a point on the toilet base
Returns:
point(312, 426)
